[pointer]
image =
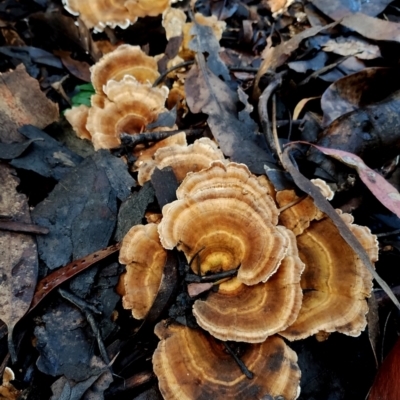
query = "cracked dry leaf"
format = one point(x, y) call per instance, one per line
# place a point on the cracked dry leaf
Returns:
point(21, 103)
point(208, 94)
point(18, 256)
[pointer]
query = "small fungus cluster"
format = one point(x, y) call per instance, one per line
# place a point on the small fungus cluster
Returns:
point(99, 14)
point(296, 277)
point(124, 102)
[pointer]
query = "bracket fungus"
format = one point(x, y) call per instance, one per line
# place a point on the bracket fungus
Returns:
point(252, 313)
point(243, 230)
point(182, 159)
point(128, 108)
point(191, 365)
point(99, 14)
point(144, 258)
point(335, 282)
point(124, 60)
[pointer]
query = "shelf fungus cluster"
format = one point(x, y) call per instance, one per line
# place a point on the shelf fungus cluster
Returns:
point(99, 14)
point(124, 102)
point(294, 276)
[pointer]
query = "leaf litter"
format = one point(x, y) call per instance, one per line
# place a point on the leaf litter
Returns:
point(89, 201)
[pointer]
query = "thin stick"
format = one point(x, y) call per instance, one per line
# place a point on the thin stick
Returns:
point(88, 310)
point(165, 73)
point(146, 137)
point(239, 362)
point(274, 130)
point(292, 203)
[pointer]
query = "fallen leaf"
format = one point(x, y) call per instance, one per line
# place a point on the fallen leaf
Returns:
point(80, 69)
point(357, 90)
point(46, 156)
point(81, 211)
point(314, 64)
point(274, 57)
point(18, 257)
point(376, 183)
point(63, 274)
point(300, 105)
point(63, 344)
point(165, 184)
point(8, 151)
point(133, 209)
point(352, 16)
point(204, 41)
point(352, 46)
point(337, 9)
point(371, 132)
point(22, 103)
point(208, 94)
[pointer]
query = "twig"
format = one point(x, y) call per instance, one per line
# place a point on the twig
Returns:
point(212, 277)
point(239, 362)
point(291, 204)
point(263, 110)
point(165, 73)
point(146, 137)
point(323, 70)
point(88, 310)
point(395, 232)
point(16, 226)
point(274, 130)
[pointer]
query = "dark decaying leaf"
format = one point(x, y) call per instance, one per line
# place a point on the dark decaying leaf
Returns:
point(358, 90)
point(208, 94)
point(8, 151)
point(18, 256)
point(64, 345)
point(337, 9)
point(357, 20)
point(132, 210)
point(56, 278)
point(21, 103)
point(371, 132)
point(29, 55)
point(81, 211)
point(46, 156)
point(165, 184)
point(353, 46)
point(167, 288)
point(313, 64)
point(204, 41)
point(64, 389)
point(306, 186)
point(274, 57)
point(376, 183)
point(103, 293)
point(80, 69)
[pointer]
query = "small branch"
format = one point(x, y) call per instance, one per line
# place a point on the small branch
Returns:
point(146, 137)
point(165, 73)
point(16, 226)
point(213, 277)
point(239, 362)
point(88, 310)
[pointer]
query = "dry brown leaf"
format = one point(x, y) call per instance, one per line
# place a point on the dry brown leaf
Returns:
point(18, 256)
point(22, 103)
point(274, 57)
point(352, 46)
